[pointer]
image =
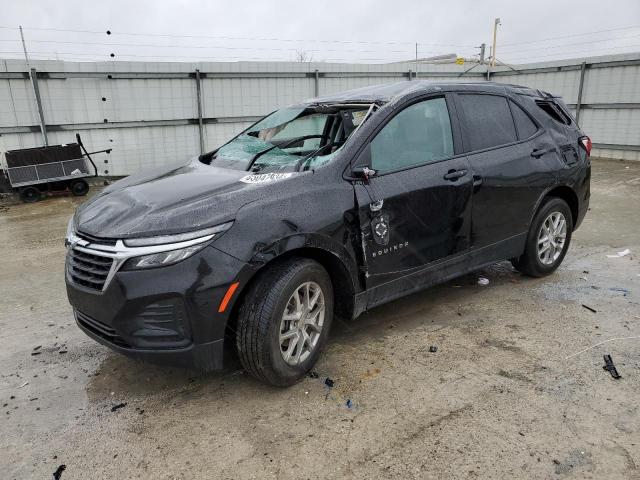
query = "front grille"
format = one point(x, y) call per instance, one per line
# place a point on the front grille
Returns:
point(100, 329)
point(92, 239)
point(89, 270)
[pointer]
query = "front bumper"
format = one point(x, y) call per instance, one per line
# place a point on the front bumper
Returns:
point(164, 315)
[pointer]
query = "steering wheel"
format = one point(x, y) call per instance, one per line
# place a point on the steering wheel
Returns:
point(299, 139)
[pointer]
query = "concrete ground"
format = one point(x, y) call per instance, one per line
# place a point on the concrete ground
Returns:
point(506, 395)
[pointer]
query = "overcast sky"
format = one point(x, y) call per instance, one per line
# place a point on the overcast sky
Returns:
point(325, 30)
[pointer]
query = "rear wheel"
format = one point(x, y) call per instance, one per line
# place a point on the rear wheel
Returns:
point(30, 194)
point(548, 239)
point(79, 188)
point(284, 321)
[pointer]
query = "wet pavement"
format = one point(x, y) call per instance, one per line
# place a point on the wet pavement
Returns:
point(505, 395)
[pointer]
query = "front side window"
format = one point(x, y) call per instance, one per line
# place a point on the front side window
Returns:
point(488, 121)
point(419, 134)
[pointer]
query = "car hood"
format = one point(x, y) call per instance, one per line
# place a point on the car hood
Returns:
point(170, 200)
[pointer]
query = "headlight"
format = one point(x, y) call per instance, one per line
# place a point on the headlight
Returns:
point(163, 258)
point(151, 252)
point(181, 237)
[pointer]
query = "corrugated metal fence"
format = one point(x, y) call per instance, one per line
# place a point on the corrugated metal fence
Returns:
point(158, 113)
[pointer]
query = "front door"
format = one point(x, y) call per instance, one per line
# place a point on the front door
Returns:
point(415, 210)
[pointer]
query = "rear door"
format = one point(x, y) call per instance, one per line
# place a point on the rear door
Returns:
point(509, 158)
point(416, 209)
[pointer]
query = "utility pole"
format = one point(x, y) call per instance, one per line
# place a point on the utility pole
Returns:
point(495, 32)
point(416, 61)
point(482, 48)
point(36, 90)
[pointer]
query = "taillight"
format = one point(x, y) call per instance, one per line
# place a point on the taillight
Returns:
point(586, 143)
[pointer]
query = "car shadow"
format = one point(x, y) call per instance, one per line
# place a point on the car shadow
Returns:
point(133, 378)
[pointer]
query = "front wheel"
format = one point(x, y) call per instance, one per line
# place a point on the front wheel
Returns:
point(548, 239)
point(284, 321)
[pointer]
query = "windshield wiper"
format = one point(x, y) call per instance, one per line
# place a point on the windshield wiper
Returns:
point(282, 145)
point(258, 155)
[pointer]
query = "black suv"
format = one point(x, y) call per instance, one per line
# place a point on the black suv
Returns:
point(332, 206)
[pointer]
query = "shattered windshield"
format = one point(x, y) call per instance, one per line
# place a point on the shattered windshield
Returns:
point(291, 139)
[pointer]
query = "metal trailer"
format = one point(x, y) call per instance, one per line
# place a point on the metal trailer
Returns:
point(56, 168)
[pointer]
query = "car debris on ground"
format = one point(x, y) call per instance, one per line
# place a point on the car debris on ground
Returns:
point(58, 473)
point(118, 406)
point(623, 253)
point(610, 367)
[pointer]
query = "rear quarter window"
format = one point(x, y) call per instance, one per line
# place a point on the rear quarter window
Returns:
point(488, 121)
point(524, 125)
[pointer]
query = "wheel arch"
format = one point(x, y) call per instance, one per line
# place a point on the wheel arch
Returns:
point(565, 193)
point(343, 278)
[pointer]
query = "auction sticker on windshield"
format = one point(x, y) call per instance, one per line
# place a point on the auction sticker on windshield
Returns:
point(265, 177)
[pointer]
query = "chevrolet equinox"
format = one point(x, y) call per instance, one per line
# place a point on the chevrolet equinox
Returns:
point(328, 207)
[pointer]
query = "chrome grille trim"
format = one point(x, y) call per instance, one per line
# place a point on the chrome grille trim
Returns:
point(117, 254)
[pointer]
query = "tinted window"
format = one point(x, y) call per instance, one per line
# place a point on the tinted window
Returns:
point(419, 134)
point(488, 120)
point(524, 124)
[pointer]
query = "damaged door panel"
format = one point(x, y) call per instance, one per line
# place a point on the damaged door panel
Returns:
point(416, 208)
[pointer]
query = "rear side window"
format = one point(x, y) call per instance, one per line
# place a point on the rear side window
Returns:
point(524, 125)
point(554, 112)
point(488, 120)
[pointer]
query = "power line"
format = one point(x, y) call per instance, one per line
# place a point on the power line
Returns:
point(576, 52)
point(380, 54)
point(573, 44)
point(151, 45)
point(167, 35)
point(177, 58)
point(570, 36)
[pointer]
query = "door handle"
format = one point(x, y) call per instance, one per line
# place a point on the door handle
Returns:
point(453, 175)
point(538, 152)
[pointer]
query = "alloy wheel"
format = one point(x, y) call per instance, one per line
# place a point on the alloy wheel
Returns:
point(301, 323)
point(551, 238)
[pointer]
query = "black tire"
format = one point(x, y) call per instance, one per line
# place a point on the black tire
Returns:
point(79, 188)
point(530, 263)
point(30, 194)
point(260, 316)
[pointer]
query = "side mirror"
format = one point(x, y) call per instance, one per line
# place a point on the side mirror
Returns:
point(364, 173)
point(362, 168)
